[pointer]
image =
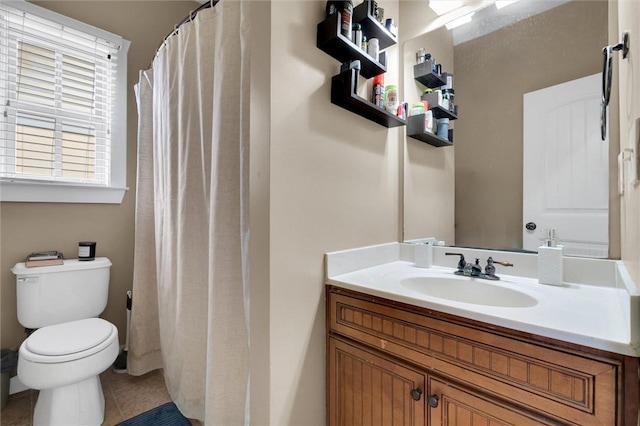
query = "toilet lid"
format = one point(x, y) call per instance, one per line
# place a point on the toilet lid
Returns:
point(69, 337)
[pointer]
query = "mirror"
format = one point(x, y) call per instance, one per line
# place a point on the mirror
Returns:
point(493, 69)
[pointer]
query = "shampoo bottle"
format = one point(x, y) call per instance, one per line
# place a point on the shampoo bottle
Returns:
point(550, 261)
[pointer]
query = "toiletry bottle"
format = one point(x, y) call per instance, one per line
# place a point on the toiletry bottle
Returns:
point(345, 7)
point(378, 91)
point(417, 108)
point(443, 128)
point(357, 34)
point(550, 261)
point(390, 26)
point(391, 98)
point(428, 121)
point(401, 111)
point(373, 48)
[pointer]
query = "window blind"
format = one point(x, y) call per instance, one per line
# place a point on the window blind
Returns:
point(58, 87)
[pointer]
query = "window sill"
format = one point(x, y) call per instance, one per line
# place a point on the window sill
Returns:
point(29, 192)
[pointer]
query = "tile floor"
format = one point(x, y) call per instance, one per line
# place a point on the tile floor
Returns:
point(125, 397)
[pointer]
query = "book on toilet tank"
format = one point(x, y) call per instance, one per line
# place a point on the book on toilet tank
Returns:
point(44, 255)
point(35, 261)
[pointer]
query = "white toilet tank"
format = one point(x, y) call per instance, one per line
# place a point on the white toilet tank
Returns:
point(50, 295)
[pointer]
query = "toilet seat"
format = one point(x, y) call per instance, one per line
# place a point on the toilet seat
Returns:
point(68, 341)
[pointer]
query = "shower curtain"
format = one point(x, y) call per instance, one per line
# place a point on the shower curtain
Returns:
point(190, 295)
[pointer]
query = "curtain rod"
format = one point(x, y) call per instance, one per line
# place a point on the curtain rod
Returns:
point(189, 17)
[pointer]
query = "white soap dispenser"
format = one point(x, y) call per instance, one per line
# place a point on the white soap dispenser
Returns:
point(550, 261)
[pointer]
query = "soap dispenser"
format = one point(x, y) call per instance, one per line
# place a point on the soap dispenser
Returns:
point(550, 261)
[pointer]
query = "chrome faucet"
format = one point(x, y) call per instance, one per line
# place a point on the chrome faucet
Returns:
point(475, 270)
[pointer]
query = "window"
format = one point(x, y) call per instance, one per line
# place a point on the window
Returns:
point(63, 103)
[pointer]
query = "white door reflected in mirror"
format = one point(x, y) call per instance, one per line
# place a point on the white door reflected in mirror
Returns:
point(566, 168)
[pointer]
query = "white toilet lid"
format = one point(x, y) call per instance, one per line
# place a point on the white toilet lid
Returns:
point(69, 337)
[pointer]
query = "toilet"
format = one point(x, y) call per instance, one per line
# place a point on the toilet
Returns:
point(70, 346)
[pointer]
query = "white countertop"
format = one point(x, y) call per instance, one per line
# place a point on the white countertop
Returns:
point(590, 315)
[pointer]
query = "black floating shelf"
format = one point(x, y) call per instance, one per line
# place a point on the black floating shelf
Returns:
point(439, 112)
point(423, 73)
point(415, 130)
point(333, 42)
point(436, 109)
point(363, 15)
point(343, 94)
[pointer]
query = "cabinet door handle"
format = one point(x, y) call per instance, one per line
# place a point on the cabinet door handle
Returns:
point(416, 394)
point(433, 401)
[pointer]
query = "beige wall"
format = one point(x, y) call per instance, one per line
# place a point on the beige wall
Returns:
point(27, 227)
point(323, 179)
point(492, 74)
point(259, 27)
point(629, 73)
point(334, 185)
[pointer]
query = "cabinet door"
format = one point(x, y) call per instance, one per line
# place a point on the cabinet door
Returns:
point(366, 389)
point(449, 405)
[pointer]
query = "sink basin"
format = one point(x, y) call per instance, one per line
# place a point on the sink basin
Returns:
point(467, 290)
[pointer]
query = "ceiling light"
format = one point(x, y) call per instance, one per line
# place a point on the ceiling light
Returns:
point(460, 21)
point(504, 3)
point(442, 7)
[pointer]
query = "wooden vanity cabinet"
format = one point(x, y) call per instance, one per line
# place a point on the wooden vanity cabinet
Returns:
point(390, 363)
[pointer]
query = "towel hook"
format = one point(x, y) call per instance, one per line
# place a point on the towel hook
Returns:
point(607, 75)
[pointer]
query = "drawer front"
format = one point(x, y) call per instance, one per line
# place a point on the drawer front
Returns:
point(563, 385)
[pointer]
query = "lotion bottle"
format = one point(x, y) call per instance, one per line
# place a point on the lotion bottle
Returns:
point(550, 261)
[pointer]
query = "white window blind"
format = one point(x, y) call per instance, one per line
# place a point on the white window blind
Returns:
point(58, 88)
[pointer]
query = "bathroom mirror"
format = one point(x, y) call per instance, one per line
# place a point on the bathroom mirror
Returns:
point(493, 69)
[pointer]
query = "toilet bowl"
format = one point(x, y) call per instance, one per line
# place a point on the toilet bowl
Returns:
point(64, 361)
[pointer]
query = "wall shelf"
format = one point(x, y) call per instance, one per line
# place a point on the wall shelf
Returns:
point(425, 75)
point(439, 112)
point(331, 41)
point(363, 15)
point(343, 94)
point(344, 85)
point(415, 130)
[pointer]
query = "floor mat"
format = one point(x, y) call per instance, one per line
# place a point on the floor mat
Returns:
point(164, 415)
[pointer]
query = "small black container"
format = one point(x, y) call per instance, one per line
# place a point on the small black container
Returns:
point(86, 250)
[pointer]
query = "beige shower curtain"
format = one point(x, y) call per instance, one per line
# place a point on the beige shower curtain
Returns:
point(190, 297)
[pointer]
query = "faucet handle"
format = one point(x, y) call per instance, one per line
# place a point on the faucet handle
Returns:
point(461, 262)
point(490, 269)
